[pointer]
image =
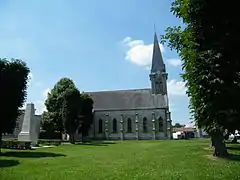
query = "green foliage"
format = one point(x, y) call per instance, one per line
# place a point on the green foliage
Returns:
point(49, 142)
point(70, 111)
point(67, 109)
point(207, 46)
point(50, 135)
point(219, 39)
point(47, 124)
point(15, 144)
point(210, 62)
point(13, 82)
point(86, 114)
point(54, 103)
point(178, 125)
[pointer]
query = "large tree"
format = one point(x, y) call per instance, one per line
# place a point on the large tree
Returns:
point(71, 111)
point(13, 82)
point(208, 45)
point(54, 103)
point(86, 114)
point(68, 110)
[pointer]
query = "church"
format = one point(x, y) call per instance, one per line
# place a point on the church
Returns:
point(134, 114)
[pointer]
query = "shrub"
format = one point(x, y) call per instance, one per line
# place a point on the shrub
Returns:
point(50, 135)
point(15, 144)
point(49, 142)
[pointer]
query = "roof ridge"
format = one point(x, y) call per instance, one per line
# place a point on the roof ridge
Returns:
point(119, 90)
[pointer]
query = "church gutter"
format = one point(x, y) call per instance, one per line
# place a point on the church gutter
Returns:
point(129, 109)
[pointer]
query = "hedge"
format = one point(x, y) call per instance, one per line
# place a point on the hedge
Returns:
point(50, 135)
point(49, 142)
point(15, 144)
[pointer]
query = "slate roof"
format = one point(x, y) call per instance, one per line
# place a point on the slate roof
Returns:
point(126, 99)
point(157, 59)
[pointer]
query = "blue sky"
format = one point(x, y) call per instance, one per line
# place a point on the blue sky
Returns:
point(101, 45)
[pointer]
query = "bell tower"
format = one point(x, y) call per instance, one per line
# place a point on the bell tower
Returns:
point(158, 75)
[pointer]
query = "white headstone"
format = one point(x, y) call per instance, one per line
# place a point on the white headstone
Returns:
point(31, 126)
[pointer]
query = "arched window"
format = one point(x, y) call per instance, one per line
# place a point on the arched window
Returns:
point(160, 122)
point(129, 125)
point(114, 125)
point(145, 124)
point(100, 126)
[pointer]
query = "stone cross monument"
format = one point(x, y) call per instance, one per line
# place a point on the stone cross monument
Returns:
point(30, 127)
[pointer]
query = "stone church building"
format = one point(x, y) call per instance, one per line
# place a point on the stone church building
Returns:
point(135, 113)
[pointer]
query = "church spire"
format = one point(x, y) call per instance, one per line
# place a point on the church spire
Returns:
point(158, 75)
point(157, 60)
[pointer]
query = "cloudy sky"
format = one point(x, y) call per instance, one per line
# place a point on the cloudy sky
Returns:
point(101, 45)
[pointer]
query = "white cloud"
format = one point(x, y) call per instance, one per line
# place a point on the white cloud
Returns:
point(138, 52)
point(174, 62)
point(45, 92)
point(39, 105)
point(176, 88)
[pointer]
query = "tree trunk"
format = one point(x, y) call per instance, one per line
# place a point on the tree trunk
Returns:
point(219, 144)
point(61, 133)
point(212, 145)
point(0, 142)
point(82, 137)
point(71, 138)
point(234, 139)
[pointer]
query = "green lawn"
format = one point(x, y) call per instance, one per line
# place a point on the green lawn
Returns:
point(120, 160)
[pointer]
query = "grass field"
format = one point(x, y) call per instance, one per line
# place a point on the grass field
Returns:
point(127, 160)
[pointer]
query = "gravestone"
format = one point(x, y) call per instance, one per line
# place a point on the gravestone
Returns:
point(30, 127)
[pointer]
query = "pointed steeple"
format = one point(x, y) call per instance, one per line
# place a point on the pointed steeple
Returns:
point(157, 60)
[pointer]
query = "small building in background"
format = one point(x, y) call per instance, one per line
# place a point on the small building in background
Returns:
point(184, 133)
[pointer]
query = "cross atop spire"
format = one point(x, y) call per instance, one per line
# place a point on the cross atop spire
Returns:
point(157, 60)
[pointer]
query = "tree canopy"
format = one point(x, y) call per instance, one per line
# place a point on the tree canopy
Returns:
point(207, 45)
point(68, 110)
point(13, 82)
point(55, 100)
point(86, 114)
point(71, 111)
point(178, 125)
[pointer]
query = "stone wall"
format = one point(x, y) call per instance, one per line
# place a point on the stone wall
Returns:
point(122, 116)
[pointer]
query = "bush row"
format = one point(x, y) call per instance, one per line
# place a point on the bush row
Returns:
point(49, 142)
point(15, 144)
point(50, 135)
